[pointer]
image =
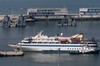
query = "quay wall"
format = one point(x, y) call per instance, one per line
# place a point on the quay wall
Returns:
point(72, 16)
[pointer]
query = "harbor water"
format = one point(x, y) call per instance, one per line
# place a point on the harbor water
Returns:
point(16, 34)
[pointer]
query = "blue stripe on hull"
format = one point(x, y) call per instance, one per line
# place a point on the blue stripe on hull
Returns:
point(55, 51)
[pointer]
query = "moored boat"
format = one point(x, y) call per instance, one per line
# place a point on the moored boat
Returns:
point(11, 53)
point(64, 22)
point(41, 42)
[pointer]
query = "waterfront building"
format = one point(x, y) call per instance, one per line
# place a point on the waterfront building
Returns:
point(89, 12)
point(47, 13)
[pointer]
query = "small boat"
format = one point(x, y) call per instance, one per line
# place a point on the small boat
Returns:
point(64, 22)
point(11, 53)
point(72, 44)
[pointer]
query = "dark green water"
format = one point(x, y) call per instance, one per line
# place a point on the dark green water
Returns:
point(15, 35)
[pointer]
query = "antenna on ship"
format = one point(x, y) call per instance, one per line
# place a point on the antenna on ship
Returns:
point(40, 33)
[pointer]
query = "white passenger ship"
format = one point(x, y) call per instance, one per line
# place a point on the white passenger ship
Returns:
point(73, 44)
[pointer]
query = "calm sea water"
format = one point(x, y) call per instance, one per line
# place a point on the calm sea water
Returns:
point(18, 6)
point(15, 35)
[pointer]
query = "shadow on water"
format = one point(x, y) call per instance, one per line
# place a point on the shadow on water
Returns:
point(62, 57)
point(54, 59)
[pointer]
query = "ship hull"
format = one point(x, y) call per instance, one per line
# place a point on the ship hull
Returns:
point(64, 48)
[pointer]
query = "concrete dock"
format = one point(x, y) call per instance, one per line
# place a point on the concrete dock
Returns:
point(51, 14)
point(49, 18)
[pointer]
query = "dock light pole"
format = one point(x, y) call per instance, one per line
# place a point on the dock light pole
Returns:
point(11, 11)
point(21, 11)
point(6, 11)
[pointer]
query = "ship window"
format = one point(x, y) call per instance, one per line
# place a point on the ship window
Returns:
point(26, 42)
point(77, 48)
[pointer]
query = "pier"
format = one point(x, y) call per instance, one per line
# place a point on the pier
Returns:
point(61, 13)
point(49, 14)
